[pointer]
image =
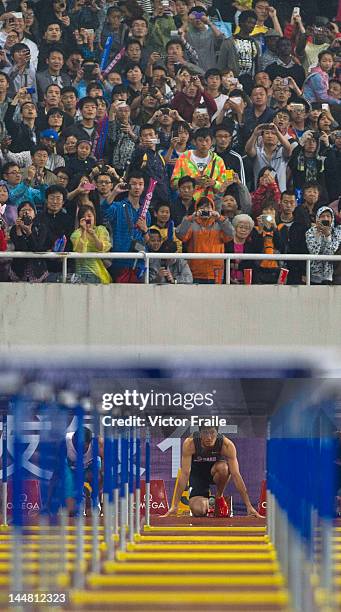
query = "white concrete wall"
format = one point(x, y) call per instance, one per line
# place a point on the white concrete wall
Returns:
point(128, 315)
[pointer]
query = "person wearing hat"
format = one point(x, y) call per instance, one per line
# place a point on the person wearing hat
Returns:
point(205, 231)
point(49, 139)
point(270, 54)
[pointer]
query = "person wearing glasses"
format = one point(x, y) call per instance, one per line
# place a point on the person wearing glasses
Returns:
point(20, 190)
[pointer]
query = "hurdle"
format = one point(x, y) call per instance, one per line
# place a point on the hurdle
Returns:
point(300, 457)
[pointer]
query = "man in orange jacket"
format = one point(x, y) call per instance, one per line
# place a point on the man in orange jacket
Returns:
point(206, 231)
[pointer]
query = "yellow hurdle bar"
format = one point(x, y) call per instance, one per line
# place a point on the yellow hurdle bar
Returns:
point(34, 555)
point(98, 580)
point(199, 547)
point(32, 546)
point(32, 566)
point(198, 538)
point(53, 538)
point(209, 568)
point(208, 528)
point(270, 555)
point(31, 579)
point(114, 598)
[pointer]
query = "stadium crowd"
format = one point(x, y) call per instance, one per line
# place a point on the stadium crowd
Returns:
point(225, 117)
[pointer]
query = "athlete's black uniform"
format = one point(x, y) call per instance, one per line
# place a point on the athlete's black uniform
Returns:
point(202, 462)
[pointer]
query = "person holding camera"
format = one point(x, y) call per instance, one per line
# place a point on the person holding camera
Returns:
point(267, 240)
point(205, 231)
point(28, 234)
point(190, 98)
point(268, 147)
point(91, 238)
point(323, 239)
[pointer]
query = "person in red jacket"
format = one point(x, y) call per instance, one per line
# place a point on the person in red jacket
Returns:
point(187, 100)
point(3, 239)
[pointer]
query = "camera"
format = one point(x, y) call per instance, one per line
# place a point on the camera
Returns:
point(267, 219)
point(26, 219)
point(205, 213)
point(325, 222)
point(153, 91)
point(165, 111)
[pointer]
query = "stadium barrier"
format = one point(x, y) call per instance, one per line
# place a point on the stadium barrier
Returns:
point(147, 257)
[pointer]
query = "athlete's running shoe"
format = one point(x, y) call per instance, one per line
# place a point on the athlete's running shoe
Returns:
point(221, 507)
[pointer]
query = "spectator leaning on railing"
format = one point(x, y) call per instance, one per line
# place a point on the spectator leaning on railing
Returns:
point(206, 231)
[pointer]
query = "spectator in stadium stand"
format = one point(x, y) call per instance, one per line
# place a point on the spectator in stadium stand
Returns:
point(267, 190)
point(205, 231)
point(203, 36)
point(259, 112)
point(37, 175)
point(169, 271)
point(240, 53)
point(155, 240)
point(69, 101)
point(178, 56)
point(323, 239)
point(19, 190)
point(165, 225)
point(59, 225)
point(28, 234)
point(267, 146)
point(316, 85)
point(187, 100)
point(311, 42)
point(146, 158)
point(91, 238)
point(306, 164)
point(285, 66)
point(23, 132)
point(83, 161)
point(123, 135)
point(184, 204)
point(223, 147)
point(128, 227)
point(299, 113)
point(333, 167)
point(256, 78)
point(8, 210)
point(267, 239)
point(206, 167)
point(53, 73)
point(86, 128)
point(270, 55)
point(242, 243)
point(49, 138)
point(234, 190)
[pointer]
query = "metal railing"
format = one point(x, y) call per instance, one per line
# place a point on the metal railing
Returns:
point(228, 257)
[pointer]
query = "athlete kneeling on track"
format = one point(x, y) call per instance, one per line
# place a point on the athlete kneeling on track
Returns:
point(208, 458)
